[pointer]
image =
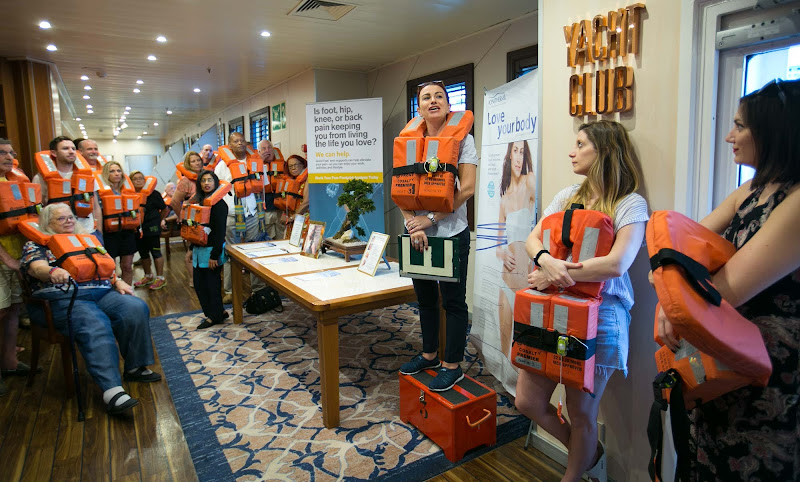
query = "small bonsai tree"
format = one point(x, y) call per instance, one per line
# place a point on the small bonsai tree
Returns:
point(356, 199)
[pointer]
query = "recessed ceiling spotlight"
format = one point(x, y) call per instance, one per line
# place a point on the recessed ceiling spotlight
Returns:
point(84, 77)
point(124, 126)
point(114, 140)
point(44, 25)
point(140, 82)
point(155, 124)
point(144, 133)
point(86, 97)
point(78, 119)
point(138, 137)
point(52, 48)
point(152, 58)
point(169, 112)
point(87, 87)
point(136, 91)
point(89, 106)
point(197, 90)
point(161, 39)
point(127, 107)
point(264, 33)
point(89, 111)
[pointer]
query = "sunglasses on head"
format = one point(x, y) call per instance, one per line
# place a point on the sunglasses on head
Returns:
point(433, 82)
point(773, 88)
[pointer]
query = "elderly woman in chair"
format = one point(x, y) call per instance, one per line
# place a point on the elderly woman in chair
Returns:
point(104, 313)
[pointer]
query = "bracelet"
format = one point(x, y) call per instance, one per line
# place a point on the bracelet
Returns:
point(538, 255)
point(51, 270)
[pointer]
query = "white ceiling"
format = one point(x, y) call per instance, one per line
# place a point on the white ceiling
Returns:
point(109, 40)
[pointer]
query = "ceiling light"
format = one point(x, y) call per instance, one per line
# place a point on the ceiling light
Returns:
point(87, 87)
point(155, 124)
point(90, 111)
point(127, 107)
point(140, 82)
point(52, 48)
point(114, 140)
point(124, 126)
point(152, 58)
point(161, 39)
point(264, 33)
point(44, 25)
point(78, 119)
point(86, 97)
point(138, 137)
point(136, 91)
point(84, 77)
point(89, 106)
point(144, 133)
point(169, 112)
point(197, 90)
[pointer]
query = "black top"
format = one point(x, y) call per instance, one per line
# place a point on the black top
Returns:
point(151, 223)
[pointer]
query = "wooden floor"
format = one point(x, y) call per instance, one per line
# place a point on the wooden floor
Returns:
point(41, 439)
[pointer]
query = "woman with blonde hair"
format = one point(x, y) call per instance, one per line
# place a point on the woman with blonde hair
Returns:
point(603, 153)
point(192, 166)
point(120, 243)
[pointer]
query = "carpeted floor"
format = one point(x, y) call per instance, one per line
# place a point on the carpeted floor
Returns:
point(248, 398)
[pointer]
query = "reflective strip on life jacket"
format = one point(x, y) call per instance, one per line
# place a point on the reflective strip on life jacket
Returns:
point(196, 217)
point(81, 255)
point(555, 336)
point(579, 234)
point(425, 168)
point(683, 256)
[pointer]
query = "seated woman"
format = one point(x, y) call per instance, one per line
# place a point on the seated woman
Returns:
point(104, 314)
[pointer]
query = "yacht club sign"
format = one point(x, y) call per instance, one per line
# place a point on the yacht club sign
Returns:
point(603, 41)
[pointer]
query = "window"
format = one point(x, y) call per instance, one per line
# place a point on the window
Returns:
point(522, 61)
point(236, 125)
point(457, 81)
point(221, 141)
point(259, 126)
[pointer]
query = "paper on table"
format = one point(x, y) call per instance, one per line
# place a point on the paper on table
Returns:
point(276, 260)
point(319, 275)
point(351, 282)
point(260, 253)
point(253, 246)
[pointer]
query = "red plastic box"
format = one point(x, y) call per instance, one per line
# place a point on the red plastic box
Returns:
point(457, 420)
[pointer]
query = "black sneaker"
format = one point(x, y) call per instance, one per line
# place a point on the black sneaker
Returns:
point(419, 363)
point(445, 379)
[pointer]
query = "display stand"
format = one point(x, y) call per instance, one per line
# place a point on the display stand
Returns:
point(346, 249)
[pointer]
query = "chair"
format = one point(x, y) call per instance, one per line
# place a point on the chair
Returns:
point(49, 334)
point(173, 229)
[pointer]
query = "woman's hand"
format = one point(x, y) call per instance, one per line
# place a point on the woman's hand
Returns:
point(59, 276)
point(537, 280)
point(418, 223)
point(123, 287)
point(555, 271)
point(419, 241)
point(213, 264)
point(509, 263)
point(163, 224)
point(666, 334)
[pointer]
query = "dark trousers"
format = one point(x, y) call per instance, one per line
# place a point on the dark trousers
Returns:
point(208, 286)
point(454, 302)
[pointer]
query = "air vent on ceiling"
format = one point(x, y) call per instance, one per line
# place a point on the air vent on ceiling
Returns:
point(321, 9)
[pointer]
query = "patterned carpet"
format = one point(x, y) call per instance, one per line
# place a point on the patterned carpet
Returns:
point(248, 398)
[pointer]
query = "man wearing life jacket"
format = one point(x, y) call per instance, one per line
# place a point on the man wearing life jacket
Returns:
point(210, 159)
point(248, 230)
point(90, 152)
point(10, 290)
point(62, 151)
point(272, 216)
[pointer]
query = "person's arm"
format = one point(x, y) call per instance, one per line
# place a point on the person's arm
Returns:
point(177, 199)
point(8, 260)
point(503, 253)
point(720, 218)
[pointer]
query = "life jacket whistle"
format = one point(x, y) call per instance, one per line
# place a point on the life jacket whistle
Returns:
point(582, 234)
point(81, 255)
point(683, 256)
point(195, 218)
point(555, 336)
point(77, 192)
point(425, 168)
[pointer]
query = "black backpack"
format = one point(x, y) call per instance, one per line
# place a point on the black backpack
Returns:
point(263, 300)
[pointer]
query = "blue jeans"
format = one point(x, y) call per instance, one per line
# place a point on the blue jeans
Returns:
point(454, 302)
point(613, 322)
point(101, 317)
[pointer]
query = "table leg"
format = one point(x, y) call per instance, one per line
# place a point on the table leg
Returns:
point(328, 336)
point(236, 282)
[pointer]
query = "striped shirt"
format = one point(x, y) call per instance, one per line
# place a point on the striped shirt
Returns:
point(631, 209)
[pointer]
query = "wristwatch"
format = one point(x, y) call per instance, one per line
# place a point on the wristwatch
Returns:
point(432, 218)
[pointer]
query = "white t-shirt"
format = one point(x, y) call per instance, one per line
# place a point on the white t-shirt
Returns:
point(88, 222)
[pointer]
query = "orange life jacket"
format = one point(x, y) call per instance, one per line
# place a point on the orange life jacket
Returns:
point(247, 177)
point(101, 161)
point(683, 256)
point(120, 211)
point(289, 192)
point(76, 192)
point(425, 168)
point(214, 161)
point(150, 183)
point(181, 171)
point(580, 234)
point(17, 174)
point(196, 217)
point(81, 255)
point(18, 202)
point(555, 336)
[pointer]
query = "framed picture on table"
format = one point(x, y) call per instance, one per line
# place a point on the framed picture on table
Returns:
point(313, 241)
point(299, 224)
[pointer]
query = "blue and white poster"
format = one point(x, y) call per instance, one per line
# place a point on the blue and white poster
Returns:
point(506, 214)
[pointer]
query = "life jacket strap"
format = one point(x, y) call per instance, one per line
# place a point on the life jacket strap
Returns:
point(696, 274)
point(543, 339)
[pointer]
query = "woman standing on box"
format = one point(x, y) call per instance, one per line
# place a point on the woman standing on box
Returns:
point(208, 260)
point(603, 153)
point(752, 433)
point(434, 107)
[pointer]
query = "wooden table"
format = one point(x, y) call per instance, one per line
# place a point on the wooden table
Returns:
point(371, 294)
